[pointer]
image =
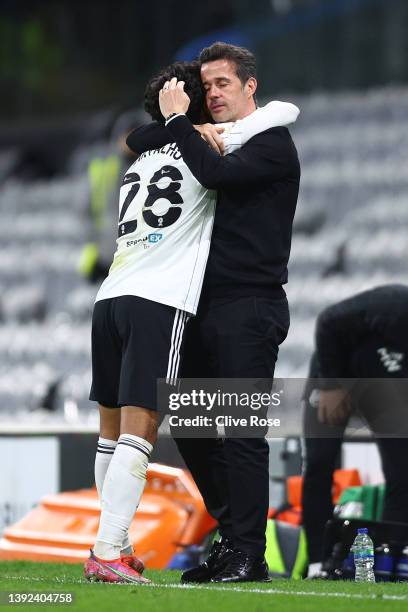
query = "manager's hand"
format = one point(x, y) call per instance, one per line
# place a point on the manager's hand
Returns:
point(173, 98)
point(334, 407)
point(211, 134)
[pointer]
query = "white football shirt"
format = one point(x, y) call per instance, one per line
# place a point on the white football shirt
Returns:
point(166, 218)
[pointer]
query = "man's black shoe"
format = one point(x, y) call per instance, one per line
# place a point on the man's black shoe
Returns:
point(242, 567)
point(220, 554)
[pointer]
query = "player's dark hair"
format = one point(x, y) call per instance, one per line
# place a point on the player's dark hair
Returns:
point(183, 71)
point(243, 59)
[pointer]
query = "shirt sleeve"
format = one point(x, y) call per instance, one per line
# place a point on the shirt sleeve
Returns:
point(274, 114)
point(147, 137)
point(268, 157)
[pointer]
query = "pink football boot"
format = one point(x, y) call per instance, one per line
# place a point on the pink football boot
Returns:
point(115, 570)
point(133, 562)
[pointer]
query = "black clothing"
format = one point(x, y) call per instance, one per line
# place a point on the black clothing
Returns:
point(218, 557)
point(363, 337)
point(242, 567)
point(380, 314)
point(257, 188)
point(234, 338)
point(238, 338)
point(133, 344)
point(148, 137)
point(321, 456)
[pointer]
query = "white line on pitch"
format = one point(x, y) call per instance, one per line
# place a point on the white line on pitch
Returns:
point(276, 591)
point(231, 589)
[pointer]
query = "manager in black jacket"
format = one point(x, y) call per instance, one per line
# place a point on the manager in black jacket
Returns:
point(362, 337)
point(243, 314)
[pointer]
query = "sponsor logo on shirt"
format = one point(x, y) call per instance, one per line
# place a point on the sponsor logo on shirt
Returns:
point(130, 243)
point(155, 237)
point(150, 238)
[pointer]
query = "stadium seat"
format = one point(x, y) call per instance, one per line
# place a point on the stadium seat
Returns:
point(171, 516)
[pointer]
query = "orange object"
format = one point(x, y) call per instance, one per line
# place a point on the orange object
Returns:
point(292, 515)
point(63, 527)
point(342, 479)
point(294, 486)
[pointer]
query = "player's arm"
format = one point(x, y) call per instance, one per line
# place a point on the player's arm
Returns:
point(273, 114)
point(224, 138)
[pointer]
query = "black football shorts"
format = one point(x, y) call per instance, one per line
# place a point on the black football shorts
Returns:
point(134, 342)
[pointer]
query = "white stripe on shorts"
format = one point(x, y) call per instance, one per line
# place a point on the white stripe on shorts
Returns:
point(180, 319)
point(178, 348)
point(173, 334)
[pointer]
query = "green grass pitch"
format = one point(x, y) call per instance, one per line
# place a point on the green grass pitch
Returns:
point(167, 595)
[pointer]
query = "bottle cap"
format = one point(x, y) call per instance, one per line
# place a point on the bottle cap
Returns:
point(362, 530)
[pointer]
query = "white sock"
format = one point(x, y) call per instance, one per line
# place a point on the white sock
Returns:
point(104, 454)
point(122, 489)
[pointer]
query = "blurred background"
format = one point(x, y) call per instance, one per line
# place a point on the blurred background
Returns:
point(72, 83)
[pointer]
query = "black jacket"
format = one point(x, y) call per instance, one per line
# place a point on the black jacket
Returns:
point(257, 189)
point(345, 332)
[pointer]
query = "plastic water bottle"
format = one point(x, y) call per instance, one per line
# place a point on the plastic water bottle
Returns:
point(363, 551)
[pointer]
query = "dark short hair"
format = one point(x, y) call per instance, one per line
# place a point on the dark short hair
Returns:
point(243, 59)
point(183, 71)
